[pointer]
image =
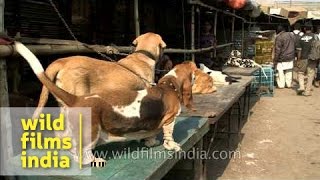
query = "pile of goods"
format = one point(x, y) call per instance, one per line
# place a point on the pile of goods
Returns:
point(235, 60)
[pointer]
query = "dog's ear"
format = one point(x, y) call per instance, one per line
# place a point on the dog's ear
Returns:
point(187, 98)
point(162, 44)
point(135, 42)
point(193, 66)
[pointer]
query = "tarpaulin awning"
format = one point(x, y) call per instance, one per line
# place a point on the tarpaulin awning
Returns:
point(313, 14)
point(293, 14)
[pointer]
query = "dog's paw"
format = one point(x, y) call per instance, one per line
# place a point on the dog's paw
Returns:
point(171, 145)
point(98, 162)
point(190, 107)
point(151, 142)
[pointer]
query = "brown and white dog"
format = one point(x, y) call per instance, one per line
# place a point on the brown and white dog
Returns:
point(140, 114)
point(82, 75)
point(203, 83)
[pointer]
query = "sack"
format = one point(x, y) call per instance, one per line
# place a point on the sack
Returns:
point(315, 49)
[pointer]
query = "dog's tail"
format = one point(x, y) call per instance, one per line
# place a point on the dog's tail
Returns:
point(37, 68)
point(52, 71)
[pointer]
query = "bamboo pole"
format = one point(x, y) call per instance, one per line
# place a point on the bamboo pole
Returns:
point(198, 26)
point(136, 17)
point(28, 40)
point(232, 27)
point(8, 50)
point(242, 37)
point(192, 32)
point(200, 50)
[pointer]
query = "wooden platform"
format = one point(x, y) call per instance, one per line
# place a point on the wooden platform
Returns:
point(240, 71)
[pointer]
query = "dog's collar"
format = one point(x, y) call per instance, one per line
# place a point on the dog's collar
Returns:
point(146, 53)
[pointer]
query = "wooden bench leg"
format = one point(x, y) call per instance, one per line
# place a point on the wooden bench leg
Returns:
point(248, 103)
point(239, 116)
point(198, 165)
point(208, 145)
point(229, 126)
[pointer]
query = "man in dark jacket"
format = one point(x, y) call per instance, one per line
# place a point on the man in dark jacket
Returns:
point(297, 34)
point(305, 64)
point(284, 56)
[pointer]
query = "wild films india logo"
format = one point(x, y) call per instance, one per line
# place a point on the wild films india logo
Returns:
point(45, 145)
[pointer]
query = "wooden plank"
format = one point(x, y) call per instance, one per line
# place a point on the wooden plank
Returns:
point(240, 71)
point(188, 131)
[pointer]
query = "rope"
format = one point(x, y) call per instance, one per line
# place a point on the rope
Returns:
point(88, 46)
point(72, 34)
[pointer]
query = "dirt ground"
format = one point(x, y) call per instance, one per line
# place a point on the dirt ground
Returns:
point(280, 140)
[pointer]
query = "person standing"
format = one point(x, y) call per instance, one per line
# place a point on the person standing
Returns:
point(297, 35)
point(284, 57)
point(207, 39)
point(317, 78)
point(304, 63)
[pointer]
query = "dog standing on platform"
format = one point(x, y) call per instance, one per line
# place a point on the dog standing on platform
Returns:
point(81, 75)
point(136, 115)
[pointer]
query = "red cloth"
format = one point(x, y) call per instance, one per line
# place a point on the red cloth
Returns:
point(4, 41)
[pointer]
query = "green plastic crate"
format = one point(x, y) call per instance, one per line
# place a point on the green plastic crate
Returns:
point(263, 84)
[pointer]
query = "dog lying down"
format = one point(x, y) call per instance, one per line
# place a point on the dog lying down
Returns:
point(140, 115)
point(203, 83)
point(218, 77)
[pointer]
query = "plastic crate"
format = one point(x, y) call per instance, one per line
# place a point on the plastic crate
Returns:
point(263, 84)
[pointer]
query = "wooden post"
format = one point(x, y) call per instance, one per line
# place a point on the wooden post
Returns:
point(232, 27)
point(198, 27)
point(215, 31)
point(6, 151)
point(242, 39)
point(136, 17)
point(192, 32)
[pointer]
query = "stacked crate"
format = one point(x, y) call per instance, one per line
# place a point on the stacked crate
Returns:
point(264, 45)
point(263, 51)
